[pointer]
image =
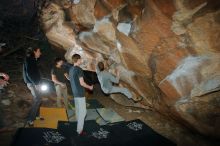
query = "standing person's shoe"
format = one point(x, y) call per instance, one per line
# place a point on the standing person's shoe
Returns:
point(39, 118)
point(30, 123)
point(83, 133)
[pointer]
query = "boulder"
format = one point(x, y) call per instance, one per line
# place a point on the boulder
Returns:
point(166, 51)
point(204, 33)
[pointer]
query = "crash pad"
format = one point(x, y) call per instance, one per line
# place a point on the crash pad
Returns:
point(51, 117)
point(130, 133)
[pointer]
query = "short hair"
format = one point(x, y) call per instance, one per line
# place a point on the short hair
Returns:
point(75, 58)
point(56, 60)
point(101, 66)
point(35, 49)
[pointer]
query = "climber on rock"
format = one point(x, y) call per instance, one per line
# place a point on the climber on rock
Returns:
point(106, 80)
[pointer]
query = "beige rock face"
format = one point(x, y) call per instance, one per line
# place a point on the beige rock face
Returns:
point(101, 39)
point(194, 76)
point(205, 32)
point(168, 53)
point(200, 112)
point(83, 13)
point(130, 55)
point(183, 16)
point(56, 31)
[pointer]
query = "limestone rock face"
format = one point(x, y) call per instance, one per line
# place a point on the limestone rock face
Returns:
point(166, 51)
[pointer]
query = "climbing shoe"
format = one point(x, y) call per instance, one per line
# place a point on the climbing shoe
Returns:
point(39, 118)
point(138, 99)
point(30, 123)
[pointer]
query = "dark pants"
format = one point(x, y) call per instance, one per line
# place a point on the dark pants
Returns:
point(34, 111)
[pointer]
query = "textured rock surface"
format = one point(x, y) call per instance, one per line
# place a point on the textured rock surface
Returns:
point(209, 26)
point(201, 112)
point(83, 13)
point(168, 53)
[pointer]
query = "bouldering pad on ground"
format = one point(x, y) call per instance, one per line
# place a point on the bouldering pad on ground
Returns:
point(129, 133)
point(109, 115)
point(51, 117)
point(102, 116)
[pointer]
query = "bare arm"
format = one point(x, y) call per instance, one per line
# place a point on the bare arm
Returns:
point(97, 69)
point(67, 76)
point(82, 83)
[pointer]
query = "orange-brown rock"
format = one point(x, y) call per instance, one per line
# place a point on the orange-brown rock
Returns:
point(83, 13)
point(113, 4)
point(57, 32)
point(200, 112)
point(209, 26)
point(100, 10)
point(167, 7)
point(131, 55)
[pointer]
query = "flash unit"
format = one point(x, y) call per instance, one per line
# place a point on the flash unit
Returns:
point(44, 87)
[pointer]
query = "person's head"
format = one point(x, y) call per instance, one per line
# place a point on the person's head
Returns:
point(101, 66)
point(76, 58)
point(58, 62)
point(35, 53)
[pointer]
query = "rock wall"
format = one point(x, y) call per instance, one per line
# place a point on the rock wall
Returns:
point(166, 51)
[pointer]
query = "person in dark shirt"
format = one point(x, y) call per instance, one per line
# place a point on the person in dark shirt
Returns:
point(59, 76)
point(31, 76)
point(78, 85)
